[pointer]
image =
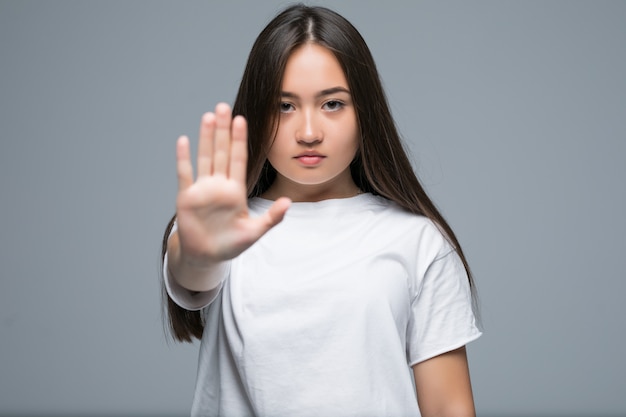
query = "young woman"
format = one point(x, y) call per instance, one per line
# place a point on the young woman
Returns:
point(306, 256)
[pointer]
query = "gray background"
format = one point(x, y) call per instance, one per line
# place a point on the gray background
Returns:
point(515, 115)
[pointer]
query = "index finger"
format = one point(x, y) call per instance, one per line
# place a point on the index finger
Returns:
point(184, 169)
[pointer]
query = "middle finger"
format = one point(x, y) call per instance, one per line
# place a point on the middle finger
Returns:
point(221, 149)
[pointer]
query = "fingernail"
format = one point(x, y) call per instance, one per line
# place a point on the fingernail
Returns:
point(208, 117)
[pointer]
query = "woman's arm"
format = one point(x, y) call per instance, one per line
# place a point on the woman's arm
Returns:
point(192, 277)
point(213, 223)
point(443, 386)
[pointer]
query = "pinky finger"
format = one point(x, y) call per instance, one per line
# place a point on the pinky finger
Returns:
point(184, 168)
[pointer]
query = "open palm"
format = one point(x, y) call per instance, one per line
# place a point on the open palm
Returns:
point(212, 212)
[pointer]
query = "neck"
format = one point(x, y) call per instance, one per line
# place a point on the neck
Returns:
point(310, 193)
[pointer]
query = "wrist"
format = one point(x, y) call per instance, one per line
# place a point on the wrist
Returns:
point(192, 272)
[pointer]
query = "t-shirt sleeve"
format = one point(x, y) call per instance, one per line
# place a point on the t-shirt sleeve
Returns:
point(442, 318)
point(190, 300)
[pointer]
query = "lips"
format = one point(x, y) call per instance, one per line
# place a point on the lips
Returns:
point(310, 158)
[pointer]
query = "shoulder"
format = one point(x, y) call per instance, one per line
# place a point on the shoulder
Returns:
point(416, 227)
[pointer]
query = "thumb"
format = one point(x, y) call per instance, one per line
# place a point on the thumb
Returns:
point(277, 211)
point(273, 215)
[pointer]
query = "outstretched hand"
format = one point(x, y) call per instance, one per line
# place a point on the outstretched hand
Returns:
point(212, 212)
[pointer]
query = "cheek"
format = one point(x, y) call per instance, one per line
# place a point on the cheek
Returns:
point(354, 142)
point(275, 156)
point(277, 147)
point(350, 148)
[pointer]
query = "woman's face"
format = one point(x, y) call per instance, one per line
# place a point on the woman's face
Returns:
point(317, 135)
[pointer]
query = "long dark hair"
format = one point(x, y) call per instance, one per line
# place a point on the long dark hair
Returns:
point(381, 166)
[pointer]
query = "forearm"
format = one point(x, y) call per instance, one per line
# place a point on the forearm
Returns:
point(451, 410)
point(192, 275)
point(443, 386)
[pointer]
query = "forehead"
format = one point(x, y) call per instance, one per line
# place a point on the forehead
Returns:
point(312, 68)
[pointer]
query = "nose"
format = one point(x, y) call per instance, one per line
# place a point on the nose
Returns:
point(309, 131)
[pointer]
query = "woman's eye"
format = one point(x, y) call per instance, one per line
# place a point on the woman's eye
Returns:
point(286, 107)
point(333, 105)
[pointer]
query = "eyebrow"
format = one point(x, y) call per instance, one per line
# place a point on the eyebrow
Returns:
point(322, 93)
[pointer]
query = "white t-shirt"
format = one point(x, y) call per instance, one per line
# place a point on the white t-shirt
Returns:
point(327, 312)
